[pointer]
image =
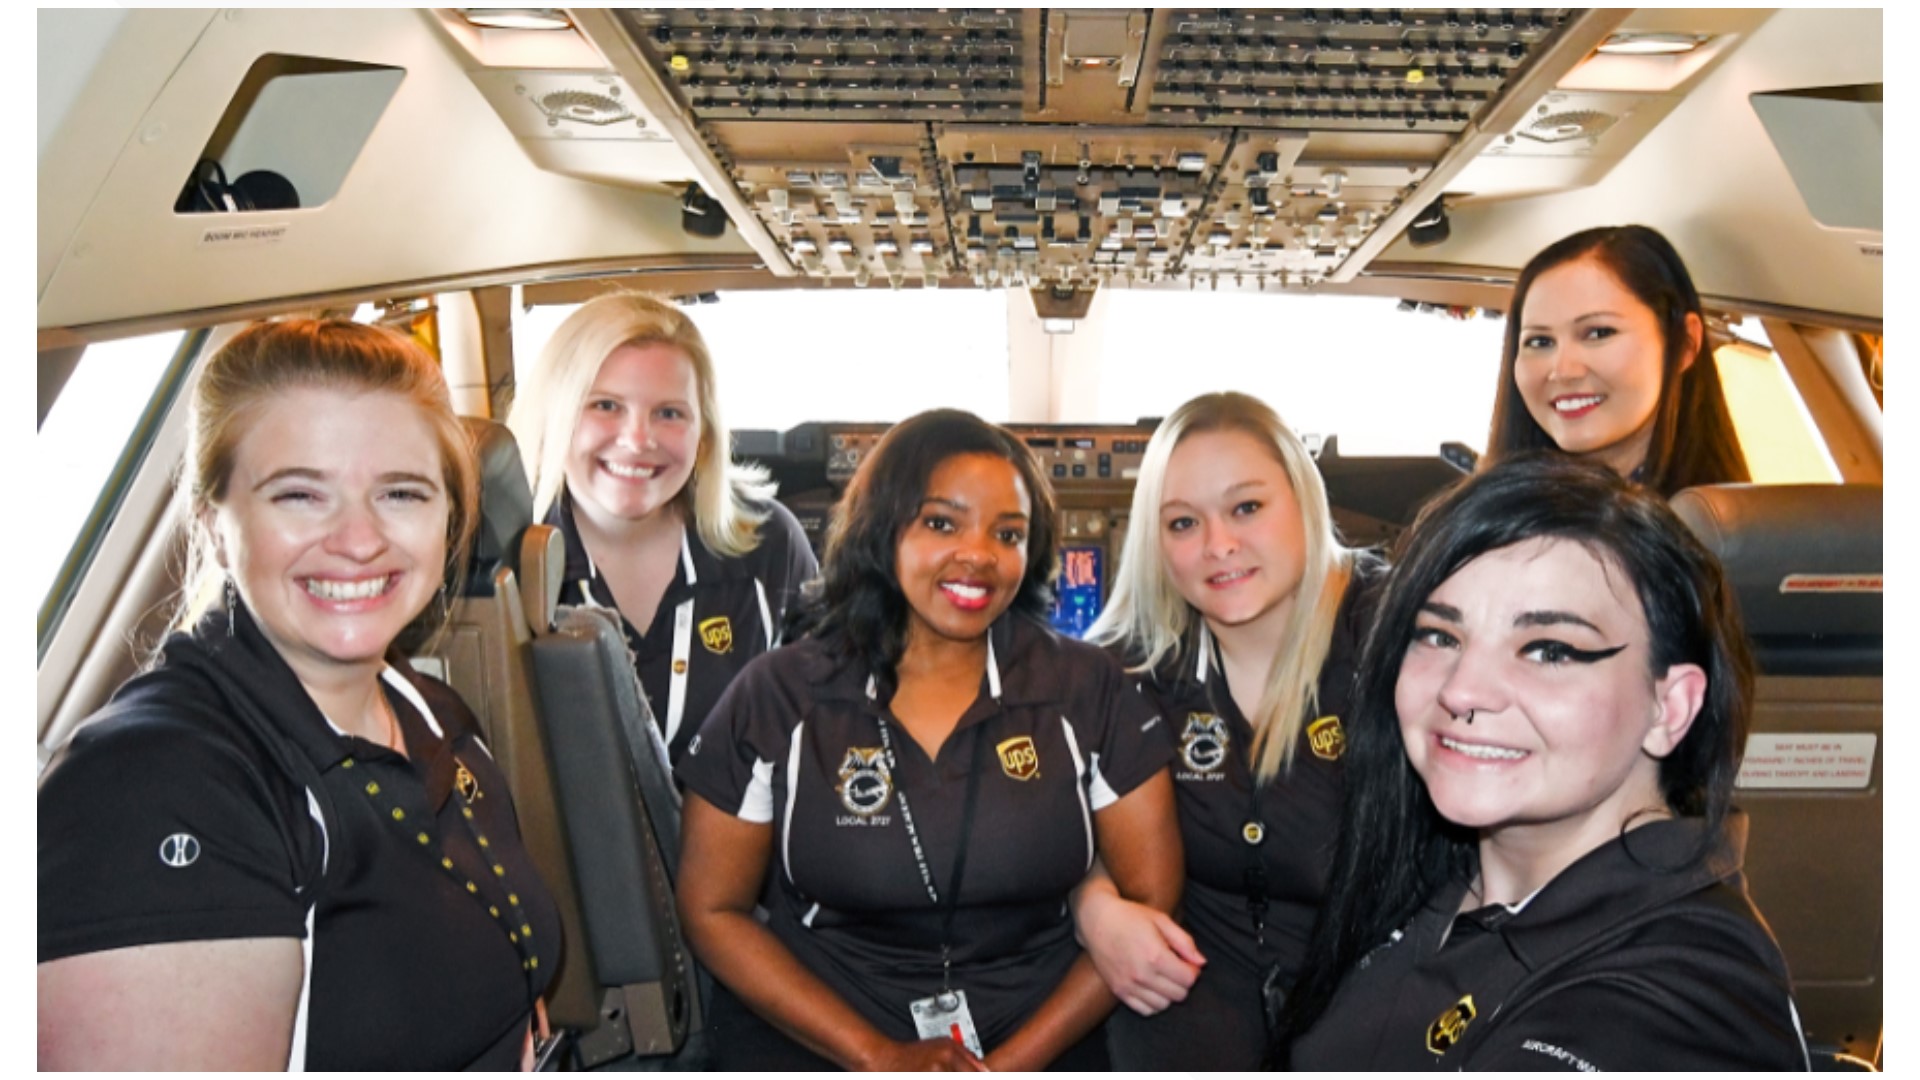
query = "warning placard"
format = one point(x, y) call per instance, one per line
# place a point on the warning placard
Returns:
point(1776, 760)
point(1831, 583)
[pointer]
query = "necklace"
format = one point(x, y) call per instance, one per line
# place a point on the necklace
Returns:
point(393, 722)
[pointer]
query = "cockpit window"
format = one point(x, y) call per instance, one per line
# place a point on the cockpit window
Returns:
point(1777, 433)
point(785, 357)
point(80, 455)
point(1385, 381)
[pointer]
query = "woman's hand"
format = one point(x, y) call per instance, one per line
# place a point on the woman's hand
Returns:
point(1144, 956)
point(723, 861)
point(927, 1055)
point(537, 1032)
point(1139, 844)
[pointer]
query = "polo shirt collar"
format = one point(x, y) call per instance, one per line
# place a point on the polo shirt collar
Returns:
point(697, 564)
point(1019, 667)
point(1615, 883)
point(262, 684)
point(1198, 670)
point(992, 677)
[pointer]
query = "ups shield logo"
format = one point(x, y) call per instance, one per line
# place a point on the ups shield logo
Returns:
point(1019, 759)
point(717, 633)
point(1327, 738)
point(1451, 1026)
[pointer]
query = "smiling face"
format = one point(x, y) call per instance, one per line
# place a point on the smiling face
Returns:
point(1230, 529)
point(1590, 363)
point(1547, 648)
point(334, 524)
point(638, 434)
point(960, 561)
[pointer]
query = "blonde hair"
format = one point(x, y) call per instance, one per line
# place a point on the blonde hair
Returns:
point(1148, 619)
point(271, 358)
point(725, 500)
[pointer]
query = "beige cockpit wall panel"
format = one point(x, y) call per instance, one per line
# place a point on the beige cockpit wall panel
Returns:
point(83, 130)
point(1709, 178)
point(441, 190)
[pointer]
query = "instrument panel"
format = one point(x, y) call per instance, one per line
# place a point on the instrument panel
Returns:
point(1070, 149)
point(1092, 469)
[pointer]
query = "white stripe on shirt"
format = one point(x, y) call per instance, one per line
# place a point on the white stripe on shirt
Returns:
point(793, 789)
point(1079, 784)
point(756, 803)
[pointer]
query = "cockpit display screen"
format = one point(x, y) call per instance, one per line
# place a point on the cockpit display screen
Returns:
point(1077, 593)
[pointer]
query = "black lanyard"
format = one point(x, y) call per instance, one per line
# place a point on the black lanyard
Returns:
point(1253, 831)
point(919, 852)
point(514, 921)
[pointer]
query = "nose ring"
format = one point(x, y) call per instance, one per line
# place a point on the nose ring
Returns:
point(1468, 718)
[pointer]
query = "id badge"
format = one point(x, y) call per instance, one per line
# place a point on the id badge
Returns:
point(946, 1016)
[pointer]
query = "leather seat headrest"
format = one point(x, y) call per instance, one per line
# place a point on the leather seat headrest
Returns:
point(1804, 559)
point(506, 501)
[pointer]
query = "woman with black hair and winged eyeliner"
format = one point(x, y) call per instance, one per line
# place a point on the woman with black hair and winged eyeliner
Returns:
point(913, 786)
point(1540, 864)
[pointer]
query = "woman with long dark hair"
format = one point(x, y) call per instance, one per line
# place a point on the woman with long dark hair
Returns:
point(1540, 864)
point(912, 788)
point(1606, 358)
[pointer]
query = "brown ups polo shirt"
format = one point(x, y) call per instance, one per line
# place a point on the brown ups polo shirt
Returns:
point(1615, 965)
point(1296, 817)
point(796, 744)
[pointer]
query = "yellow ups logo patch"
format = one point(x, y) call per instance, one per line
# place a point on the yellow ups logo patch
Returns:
point(1446, 1031)
point(1327, 738)
point(717, 633)
point(1019, 758)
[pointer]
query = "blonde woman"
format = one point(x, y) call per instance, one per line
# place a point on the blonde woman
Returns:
point(1236, 607)
point(620, 426)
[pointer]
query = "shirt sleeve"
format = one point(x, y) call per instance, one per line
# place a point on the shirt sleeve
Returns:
point(730, 762)
point(1132, 744)
point(152, 830)
point(1697, 997)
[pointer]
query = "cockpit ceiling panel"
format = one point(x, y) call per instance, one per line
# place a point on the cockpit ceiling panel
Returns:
point(1291, 69)
point(1069, 148)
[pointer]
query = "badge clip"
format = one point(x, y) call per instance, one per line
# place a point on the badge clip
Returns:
point(946, 1016)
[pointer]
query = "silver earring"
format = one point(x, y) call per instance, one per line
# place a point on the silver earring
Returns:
point(232, 602)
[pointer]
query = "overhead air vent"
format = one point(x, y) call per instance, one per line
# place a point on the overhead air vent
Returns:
point(581, 107)
point(585, 124)
point(1571, 124)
